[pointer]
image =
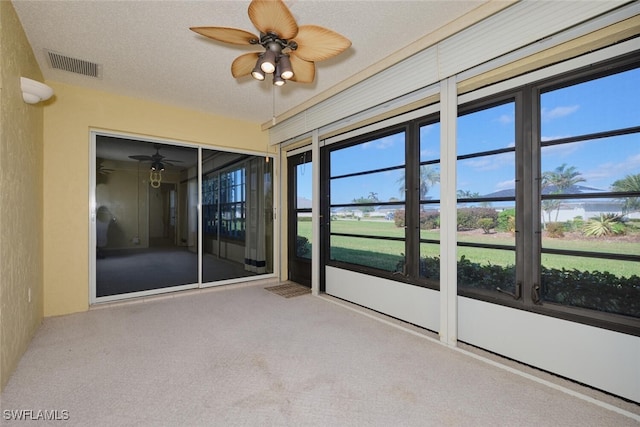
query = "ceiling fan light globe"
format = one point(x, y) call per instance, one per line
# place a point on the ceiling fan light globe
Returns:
point(284, 66)
point(257, 73)
point(287, 75)
point(268, 61)
point(268, 67)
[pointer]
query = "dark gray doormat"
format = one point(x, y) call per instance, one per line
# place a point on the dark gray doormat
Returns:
point(289, 289)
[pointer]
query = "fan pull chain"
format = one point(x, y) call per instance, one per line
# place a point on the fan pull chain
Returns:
point(273, 117)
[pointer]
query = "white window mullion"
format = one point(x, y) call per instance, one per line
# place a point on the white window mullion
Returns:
point(448, 216)
point(315, 214)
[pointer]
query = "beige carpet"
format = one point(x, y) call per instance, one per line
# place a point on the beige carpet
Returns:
point(237, 356)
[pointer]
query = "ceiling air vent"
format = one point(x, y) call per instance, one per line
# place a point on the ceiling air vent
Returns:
point(59, 61)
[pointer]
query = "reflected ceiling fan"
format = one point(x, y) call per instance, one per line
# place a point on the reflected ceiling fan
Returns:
point(290, 51)
point(157, 160)
point(157, 165)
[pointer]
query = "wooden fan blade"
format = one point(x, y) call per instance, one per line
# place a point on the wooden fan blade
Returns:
point(317, 43)
point(273, 16)
point(227, 35)
point(303, 71)
point(244, 64)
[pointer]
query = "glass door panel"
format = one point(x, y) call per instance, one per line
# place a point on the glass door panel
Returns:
point(146, 232)
point(237, 216)
point(300, 233)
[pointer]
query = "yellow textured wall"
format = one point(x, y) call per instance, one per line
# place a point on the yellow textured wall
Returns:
point(21, 130)
point(67, 125)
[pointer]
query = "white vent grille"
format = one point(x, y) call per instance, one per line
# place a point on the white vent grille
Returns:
point(74, 65)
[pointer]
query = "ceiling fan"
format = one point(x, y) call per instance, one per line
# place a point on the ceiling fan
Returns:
point(290, 51)
point(157, 160)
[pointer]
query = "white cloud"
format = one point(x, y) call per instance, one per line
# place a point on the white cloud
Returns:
point(560, 151)
point(505, 119)
point(428, 153)
point(383, 143)
point(557, 112)
point(489, 163)
point(605, 173)
point(506, 185)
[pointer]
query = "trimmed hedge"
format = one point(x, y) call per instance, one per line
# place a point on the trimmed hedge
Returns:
point(595, 290)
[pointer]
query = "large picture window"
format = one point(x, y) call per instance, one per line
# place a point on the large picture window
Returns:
point(590, 182)
point(548, 198)
point(548, 190)
point(385, 210)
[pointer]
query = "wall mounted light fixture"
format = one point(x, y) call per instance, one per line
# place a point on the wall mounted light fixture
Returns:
point(33, 91)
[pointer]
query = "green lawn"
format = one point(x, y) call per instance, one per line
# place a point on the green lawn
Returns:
point(387, 253)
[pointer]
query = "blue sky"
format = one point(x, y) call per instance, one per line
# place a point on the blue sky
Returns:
point(595, 106)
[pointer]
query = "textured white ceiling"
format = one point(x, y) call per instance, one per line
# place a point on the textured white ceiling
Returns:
point(147, 50)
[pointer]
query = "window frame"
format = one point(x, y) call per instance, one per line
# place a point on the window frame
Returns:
point(525, 92)
point(515, 96)
point(606, 320)
point(529, 199)
point(411, 271)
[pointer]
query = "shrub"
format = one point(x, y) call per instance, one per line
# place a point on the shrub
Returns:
point(555, 229)
point(507, 221)
point(430, 267)
point(475, 275)
point(429, 220)
point(605, 225)
point(576, 224)
point(468, 217)
point(398, 218)
point(487, 224)
point(595, 290)
point(303, 247)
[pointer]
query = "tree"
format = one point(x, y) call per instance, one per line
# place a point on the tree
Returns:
point(429, 176)
point(558, 181)
point(466, 194)
point(629, 184)
point(371, 198)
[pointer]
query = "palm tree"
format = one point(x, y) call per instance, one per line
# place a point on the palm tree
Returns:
point(466, 194)
point(629, 184)
point(558, 181)
point(429, 176)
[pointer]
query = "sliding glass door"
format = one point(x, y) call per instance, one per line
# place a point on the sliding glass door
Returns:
point(147, 224)
point(146, 236)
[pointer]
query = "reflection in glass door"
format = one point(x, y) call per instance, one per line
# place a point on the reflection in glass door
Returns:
point(300, 231)
point(237, 216)
point(146, 235)
point(148, 226)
